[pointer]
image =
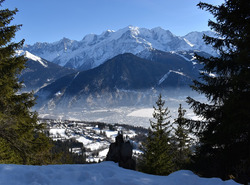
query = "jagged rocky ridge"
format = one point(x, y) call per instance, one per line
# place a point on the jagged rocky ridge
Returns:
point(94, 49)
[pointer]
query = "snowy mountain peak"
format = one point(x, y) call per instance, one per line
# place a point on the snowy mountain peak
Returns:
point(130, 28)
point(134, 30)
point(110, 30)
point(89, 38)
point(35, 58)
point(64, 41)
point(95, 49)
point(158, 29)
point(30, 56)
point(107, 33)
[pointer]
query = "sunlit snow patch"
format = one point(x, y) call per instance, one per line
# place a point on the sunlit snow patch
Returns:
point(144, 113)
point(164, 77)
point(35, 58)
point(167, 74)
point(188, 42)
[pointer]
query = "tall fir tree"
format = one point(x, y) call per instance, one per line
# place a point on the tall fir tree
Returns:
point(158, 154)
point(224, 135)
point(181, 140)
point(21, 137)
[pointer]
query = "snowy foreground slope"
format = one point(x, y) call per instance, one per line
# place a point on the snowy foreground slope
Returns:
point(105, 173)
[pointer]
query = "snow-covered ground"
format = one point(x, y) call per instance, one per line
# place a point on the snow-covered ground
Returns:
point(105, 173)
point(144, 113)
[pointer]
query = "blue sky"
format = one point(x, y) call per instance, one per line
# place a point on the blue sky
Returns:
point(51, 20)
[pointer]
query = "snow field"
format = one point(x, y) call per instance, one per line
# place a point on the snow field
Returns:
point(144, 113)
point(105, 173)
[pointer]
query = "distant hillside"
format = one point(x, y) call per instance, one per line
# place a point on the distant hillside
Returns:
point(40, 72)
point(121, 78)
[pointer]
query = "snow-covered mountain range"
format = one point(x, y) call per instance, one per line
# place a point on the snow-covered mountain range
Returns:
point(94, 49)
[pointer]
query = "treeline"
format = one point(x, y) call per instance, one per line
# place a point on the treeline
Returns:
point(167, 147)
point(62, 152)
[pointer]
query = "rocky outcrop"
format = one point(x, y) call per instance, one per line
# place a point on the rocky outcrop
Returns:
point(121, 153)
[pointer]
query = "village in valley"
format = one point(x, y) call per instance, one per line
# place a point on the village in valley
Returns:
point(92, 139)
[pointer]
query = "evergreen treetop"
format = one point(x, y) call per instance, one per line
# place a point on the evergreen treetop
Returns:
point(224, 133)
point(181, 140)
point(158, 154)
point(161, 115)
point(21, 137)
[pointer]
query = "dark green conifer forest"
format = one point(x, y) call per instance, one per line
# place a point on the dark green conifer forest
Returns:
point(224, 149)
point(158, 151)
point(181, 141)
point(21, 137)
